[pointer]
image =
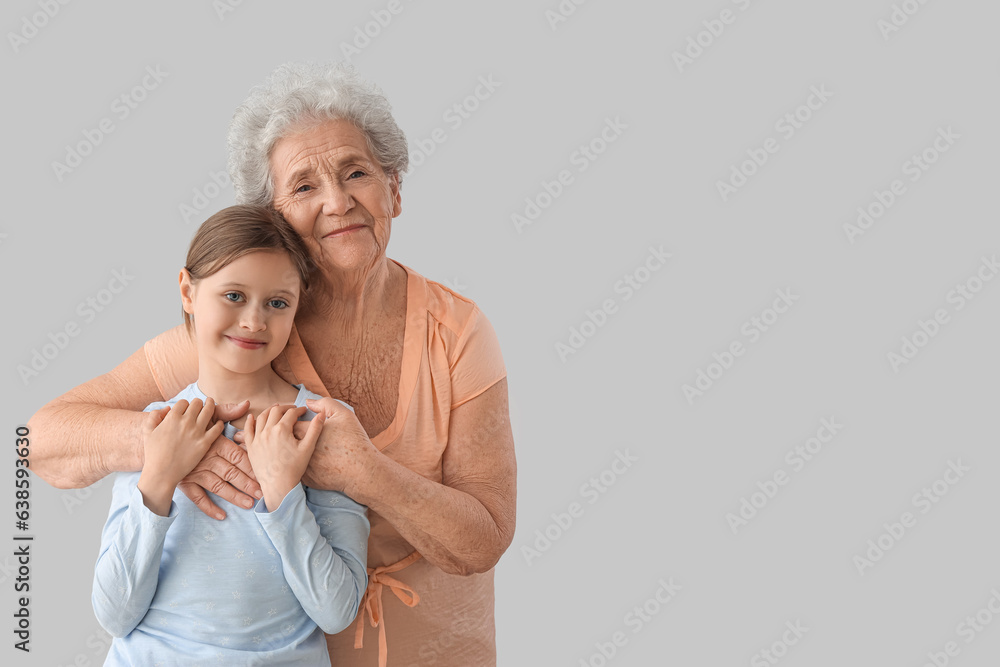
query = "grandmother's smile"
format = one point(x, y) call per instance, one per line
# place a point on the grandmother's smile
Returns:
point(344, 230)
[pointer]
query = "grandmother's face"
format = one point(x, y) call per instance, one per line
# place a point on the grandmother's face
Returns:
point(333, 192)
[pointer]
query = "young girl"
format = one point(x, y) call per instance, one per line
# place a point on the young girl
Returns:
point(176, 587)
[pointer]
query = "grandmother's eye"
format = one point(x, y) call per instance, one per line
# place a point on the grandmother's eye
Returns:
point(303, 188)
point(357, 172)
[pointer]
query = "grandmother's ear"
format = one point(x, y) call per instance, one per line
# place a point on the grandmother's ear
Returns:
point(397, 200)
point(187, 291)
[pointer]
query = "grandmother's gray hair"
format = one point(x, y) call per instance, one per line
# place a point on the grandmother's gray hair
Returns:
point(297, 93)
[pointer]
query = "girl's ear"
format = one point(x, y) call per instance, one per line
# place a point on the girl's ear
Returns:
point(187, 291)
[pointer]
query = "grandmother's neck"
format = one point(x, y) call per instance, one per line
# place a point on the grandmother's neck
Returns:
point(355, 300)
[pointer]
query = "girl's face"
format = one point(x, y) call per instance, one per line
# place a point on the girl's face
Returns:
point(243, 312)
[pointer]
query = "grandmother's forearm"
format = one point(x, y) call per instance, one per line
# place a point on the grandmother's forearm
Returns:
point(450, 528)
point(76, 444)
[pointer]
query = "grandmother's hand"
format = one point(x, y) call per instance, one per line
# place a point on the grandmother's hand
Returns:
point(343, 447)
point(225, 470)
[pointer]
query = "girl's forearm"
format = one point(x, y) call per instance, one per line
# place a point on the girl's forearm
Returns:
point(126, 574)
point(156, 494)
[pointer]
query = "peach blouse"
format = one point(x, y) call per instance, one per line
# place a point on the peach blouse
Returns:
point(413, 613)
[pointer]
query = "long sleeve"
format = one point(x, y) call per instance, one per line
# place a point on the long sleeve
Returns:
point(127, 570)
point(322, 537)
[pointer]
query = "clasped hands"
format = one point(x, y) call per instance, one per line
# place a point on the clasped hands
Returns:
point(185, 449)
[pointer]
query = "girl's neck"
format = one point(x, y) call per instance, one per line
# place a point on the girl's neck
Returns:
point(263, 388)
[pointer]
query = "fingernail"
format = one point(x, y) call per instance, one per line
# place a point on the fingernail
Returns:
point(247, 502)
point(258, 494)
point(220, 516)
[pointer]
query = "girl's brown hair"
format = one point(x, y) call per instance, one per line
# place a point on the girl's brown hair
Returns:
point(237, 231)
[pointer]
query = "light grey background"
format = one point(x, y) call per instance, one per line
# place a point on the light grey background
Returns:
point(621, 392)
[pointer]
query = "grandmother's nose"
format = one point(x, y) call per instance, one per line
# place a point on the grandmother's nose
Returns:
point(336, 200)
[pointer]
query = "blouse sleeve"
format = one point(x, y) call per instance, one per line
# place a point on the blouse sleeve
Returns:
point(476, 362)
point(322, 538)
point(128, 567)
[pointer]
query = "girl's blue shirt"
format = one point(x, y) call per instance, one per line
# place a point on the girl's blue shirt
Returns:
point(257, 588)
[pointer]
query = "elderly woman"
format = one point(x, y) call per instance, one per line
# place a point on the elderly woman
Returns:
point(430, 451)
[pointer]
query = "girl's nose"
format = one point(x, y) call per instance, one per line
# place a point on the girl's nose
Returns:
point(253, 320)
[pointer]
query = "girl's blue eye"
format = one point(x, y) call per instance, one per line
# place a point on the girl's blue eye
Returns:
point(278, 303)
point(235, 296)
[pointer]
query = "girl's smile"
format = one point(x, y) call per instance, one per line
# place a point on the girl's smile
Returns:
point(243, 312)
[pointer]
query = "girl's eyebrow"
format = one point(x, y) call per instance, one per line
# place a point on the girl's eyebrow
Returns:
point(282, 292)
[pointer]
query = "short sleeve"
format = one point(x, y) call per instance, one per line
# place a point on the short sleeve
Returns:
point(173, 360)
point(477, 363)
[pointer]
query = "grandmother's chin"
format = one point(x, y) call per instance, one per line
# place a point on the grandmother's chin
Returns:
point(349, 252)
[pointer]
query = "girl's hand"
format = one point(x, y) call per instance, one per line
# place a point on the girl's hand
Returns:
point(278, 456)
point(174, 440)
point(225, 470)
